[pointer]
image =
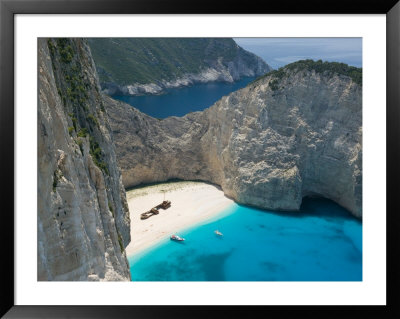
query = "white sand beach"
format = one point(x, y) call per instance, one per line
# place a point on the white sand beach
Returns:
point(191, 203)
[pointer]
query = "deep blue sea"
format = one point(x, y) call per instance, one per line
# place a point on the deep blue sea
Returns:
point(178, 102)
point(322, 242)
point(278, 52)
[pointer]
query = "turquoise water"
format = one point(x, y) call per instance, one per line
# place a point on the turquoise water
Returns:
point(178, 102)
point(322, 242)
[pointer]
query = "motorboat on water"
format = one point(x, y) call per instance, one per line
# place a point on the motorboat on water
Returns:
point(177, 238)
point(217, 232)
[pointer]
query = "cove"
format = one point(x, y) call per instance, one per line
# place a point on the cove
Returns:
point(322, 242)
point(180, 101)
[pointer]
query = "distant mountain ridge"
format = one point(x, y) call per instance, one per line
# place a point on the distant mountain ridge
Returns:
point(137, 66)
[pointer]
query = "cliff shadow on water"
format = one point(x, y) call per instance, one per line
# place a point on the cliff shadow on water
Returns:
point(311, 206)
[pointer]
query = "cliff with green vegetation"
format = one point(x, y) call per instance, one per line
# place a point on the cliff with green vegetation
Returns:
point(321, 67)
point(83, 218)
point(134, 66)
point(292, 133)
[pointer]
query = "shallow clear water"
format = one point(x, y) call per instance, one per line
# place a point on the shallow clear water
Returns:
point(178, 102)
point(322, 242)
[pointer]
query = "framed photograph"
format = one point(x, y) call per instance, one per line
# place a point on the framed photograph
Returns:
point(273, 135)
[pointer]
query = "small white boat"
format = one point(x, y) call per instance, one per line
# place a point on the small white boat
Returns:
point(177, 238)
point(217, 232)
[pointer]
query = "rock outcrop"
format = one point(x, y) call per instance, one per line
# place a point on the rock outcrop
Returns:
point(83, 217)
point(291, 134)
point(135, 66)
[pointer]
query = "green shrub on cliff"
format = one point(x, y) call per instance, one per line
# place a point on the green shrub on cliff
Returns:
point(96, 153)
point(74, 122)
point(66, 54)
point(56, 177)
point(83, 132)
point(93, 120)
point(121, 245)
point(79, 142)
point(273, 84)
point(111, 209)
point(51, 46)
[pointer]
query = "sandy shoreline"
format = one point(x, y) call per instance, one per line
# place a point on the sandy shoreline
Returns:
point(192, 203)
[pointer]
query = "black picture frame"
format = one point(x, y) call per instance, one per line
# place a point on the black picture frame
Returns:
point(9, 8)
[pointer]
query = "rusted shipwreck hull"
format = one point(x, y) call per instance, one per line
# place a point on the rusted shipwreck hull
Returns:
point(154, 211)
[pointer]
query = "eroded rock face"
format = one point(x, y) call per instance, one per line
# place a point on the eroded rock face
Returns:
point(83, 217)
point(218, 72)
point(267, 145)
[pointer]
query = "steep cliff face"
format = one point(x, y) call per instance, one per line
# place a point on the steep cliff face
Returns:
point(136, 66)
point(294, 133)
point(83, 217)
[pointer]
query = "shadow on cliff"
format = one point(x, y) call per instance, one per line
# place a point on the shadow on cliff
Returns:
point(174, 180)
point(311, 205)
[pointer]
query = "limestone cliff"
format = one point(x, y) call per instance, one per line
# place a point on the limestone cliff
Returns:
point(292, 133)
point(83, 217)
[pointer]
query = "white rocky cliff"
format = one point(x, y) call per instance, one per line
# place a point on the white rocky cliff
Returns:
point(215, 73)
point(83, 217)
point(268, 145)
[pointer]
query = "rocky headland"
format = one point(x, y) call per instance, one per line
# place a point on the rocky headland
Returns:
point(149, 66)
point(293, 133)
